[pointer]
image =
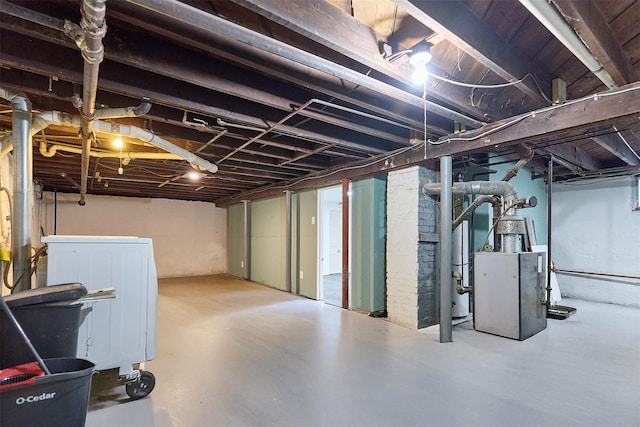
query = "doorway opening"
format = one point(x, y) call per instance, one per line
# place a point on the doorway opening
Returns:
point(330, 242)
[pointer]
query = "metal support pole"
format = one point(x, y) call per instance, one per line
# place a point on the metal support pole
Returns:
point(549, 188)
point(287, 276)
point(446, 237)
point(345, 243)
point(246, 241)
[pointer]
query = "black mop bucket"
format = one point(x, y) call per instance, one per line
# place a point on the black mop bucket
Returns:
point(54, 392)
point(49, 318)
point(29, 397)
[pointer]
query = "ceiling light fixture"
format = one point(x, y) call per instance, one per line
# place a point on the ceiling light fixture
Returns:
point(195, 175)
point(419, 56)
point(117, 142)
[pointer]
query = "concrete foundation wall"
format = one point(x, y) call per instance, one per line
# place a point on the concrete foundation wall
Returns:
point(189, 238)
point(594, 229)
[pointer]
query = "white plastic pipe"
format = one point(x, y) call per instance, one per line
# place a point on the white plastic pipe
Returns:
point(51, 150)
point(555, 23)
point(58, 118)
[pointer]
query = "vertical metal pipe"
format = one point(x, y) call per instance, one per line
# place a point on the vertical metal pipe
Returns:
point(549, 188)
point(345, 243)
point(22, 189)
point(446, 237)
point(287, 276)
point(246, 241)
point(94, 26)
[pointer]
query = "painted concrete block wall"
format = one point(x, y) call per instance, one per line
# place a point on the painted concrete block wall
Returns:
point(368, 238)
point(268, 243)
point(235, 239)
point(428, 239)
point(594, 229)
point(411, 273)
point(189, 238)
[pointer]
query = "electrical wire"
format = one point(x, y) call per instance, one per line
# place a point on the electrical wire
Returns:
point(532, 114)
point(492, 86)
point(419, 146)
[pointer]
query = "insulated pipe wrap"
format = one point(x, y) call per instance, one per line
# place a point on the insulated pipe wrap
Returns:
point(62, 119)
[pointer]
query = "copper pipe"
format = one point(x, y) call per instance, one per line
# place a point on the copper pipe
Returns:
point(621, 276)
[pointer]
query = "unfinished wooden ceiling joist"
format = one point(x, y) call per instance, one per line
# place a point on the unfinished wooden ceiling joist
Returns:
point(299, 94)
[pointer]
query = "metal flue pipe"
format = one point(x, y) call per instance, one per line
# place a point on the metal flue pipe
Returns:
point(472, 207)
point(22, 189)
point(489, 188)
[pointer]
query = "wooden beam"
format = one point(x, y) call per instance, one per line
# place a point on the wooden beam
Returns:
point(588, 22)
point(190, 19)
point(452, 19)
point(614, 144)
point(571, 119)
point(574, 155)
point(326, 24)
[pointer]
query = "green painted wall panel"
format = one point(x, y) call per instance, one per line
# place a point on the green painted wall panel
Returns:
point(268, 241)
point(368, 239)
point(306, 244)
point(235, 236)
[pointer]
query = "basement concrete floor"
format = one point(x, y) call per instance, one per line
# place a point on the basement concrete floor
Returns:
point(234, 353)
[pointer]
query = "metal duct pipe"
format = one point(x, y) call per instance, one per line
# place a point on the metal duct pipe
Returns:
point(526, 154)
point(490, 188)
point(511, 225)
point(116, 113)
point(549, 16)
point(62, 119)
point(22, 189)
point(472, 207)
point(446, 237)
point(95, 28)
point(150, 137)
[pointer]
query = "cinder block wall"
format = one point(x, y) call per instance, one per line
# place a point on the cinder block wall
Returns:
point(411, 249)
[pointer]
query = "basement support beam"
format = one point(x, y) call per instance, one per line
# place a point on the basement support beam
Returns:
point(566, 120)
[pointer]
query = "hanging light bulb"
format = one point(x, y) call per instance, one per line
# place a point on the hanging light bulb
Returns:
point(120, 170)
point(420, 54)
point(117, 142)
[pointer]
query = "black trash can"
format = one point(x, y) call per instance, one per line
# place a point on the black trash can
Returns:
point(28, 398)
point(48, 317)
